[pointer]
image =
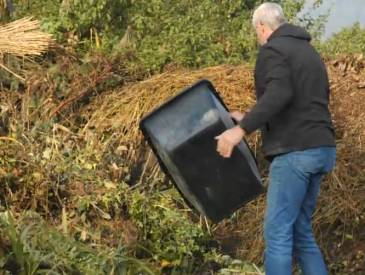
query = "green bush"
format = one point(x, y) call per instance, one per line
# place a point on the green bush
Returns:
point(189, 33)
point(350, 40)
point(167, 233)
point(198, 33)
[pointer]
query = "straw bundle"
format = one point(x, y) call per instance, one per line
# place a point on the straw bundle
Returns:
point(23, 37)
point(113, 127)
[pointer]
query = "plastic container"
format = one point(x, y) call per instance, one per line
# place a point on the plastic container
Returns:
point(181, 133)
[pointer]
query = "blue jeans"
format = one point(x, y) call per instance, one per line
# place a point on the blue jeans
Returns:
point(294, 184)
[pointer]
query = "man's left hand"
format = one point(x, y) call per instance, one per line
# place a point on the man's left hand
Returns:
point(228, 140)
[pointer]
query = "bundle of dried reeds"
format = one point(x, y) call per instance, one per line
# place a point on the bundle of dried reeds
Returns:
point(24, 37)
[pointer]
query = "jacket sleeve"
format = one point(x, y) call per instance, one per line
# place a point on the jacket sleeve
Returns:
point(278, 92)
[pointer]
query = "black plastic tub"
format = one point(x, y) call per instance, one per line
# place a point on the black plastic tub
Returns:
point(181, 133)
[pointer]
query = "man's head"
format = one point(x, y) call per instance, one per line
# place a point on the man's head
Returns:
point(266, 19)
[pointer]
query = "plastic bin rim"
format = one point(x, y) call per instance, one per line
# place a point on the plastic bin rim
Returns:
point(182, 93)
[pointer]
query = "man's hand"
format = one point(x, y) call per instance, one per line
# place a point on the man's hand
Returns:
point(228, 140)
point(237, 116)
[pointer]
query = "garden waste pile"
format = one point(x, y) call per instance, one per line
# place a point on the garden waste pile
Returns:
point(72, 154)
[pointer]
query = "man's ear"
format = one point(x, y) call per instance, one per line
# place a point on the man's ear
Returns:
point(261, 26)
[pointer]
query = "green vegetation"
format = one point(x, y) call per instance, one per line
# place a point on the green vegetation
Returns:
point(37, 249)
point(348, 41)
point(64, 178)
point(188, 33)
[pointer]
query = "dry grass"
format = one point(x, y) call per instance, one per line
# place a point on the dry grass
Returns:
point(120, 111)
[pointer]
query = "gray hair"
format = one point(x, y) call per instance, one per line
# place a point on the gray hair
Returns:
point(269, 14)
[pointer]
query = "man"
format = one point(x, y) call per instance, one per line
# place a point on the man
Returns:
point(292, 112)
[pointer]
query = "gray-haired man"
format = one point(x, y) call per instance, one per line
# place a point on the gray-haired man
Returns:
point(292, 112)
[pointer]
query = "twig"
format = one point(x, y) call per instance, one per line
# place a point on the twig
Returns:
point(258, 270)
point(13, 140)
point(10, 71)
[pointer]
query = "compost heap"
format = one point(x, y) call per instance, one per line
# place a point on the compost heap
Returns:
point(107, 126)
point(339, 220)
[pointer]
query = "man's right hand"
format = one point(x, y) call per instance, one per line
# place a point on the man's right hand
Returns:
point(237, 116)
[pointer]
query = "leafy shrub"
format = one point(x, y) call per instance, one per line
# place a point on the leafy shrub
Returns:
point(36, 249)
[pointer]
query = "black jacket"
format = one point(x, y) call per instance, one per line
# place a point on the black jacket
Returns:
point(292, 92)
